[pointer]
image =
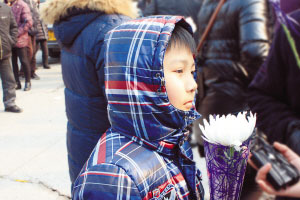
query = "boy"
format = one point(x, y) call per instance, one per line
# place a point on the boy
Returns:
point(150, 88)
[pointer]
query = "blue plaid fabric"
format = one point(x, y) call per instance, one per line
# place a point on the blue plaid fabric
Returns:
point(144, 155)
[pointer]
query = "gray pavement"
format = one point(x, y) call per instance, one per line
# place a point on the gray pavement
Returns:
point(33, 156)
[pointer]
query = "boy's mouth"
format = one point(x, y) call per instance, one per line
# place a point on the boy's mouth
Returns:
point(188, 103)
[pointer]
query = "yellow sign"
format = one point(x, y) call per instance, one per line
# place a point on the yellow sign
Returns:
point(51, 36)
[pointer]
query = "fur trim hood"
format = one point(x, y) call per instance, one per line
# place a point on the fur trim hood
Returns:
point(54, 10)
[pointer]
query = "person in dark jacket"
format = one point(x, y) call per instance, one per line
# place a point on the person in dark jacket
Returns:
point(80, 26)
point(185, 8)
point(273, 94)
point(23, 18)
point(8, 37)
point(235, 48)
point(41, 40)
point(165, 7)
point(142, 4)
point(150, 92)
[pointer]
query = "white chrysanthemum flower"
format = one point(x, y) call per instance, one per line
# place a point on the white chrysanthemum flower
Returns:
point(228, 130)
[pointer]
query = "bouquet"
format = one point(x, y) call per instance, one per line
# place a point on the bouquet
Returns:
point(226, 145)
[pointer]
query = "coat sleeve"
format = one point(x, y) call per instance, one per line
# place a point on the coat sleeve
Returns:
point(253, 34)
point(13, 28)
point(104, 181)
point(267, 93)
point(26, 19)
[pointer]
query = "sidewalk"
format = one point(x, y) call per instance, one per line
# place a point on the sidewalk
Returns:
point(33, 156)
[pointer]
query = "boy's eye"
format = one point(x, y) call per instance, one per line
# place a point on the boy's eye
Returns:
point(179, 71)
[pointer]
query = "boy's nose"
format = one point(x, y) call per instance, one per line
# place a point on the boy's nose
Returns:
point(191, 85)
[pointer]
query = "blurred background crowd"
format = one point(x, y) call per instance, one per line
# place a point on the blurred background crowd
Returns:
point(22, 34)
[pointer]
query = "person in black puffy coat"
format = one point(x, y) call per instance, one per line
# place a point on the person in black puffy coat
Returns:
point(184, 8)
point(80, 27)
point(166, 7)
point(235, 48)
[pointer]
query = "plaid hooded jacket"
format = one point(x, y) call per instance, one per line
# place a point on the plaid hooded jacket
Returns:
point(145, 153)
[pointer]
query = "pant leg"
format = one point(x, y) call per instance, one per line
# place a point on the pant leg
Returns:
point(30, 53)
point(37, 46)
point(45, 54)
point(8, 83)
point(33, 58)
point(14, 60)
point(22, 54)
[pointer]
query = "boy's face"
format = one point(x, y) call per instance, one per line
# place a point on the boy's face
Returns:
point(179, 68)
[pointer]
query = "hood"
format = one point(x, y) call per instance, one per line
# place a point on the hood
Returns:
point(67, 31)
point(54, 10)
point(138, 103)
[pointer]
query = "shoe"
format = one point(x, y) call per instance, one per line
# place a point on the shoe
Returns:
point(18, 86)
point(34, 76)
point(14, 109)
point(27, 86)
point(47, 67)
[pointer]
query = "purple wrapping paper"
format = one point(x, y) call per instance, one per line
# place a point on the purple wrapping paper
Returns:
point(226, 170)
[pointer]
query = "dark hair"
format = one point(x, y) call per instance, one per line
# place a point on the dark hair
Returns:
point(181, 36)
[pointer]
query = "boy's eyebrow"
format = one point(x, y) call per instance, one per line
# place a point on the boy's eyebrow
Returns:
point(182, 61)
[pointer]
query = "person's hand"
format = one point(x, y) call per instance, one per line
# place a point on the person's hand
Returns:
point(261, 177)
point(290, 155)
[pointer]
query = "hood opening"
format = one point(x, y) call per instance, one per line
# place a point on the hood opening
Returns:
point(138, 104)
